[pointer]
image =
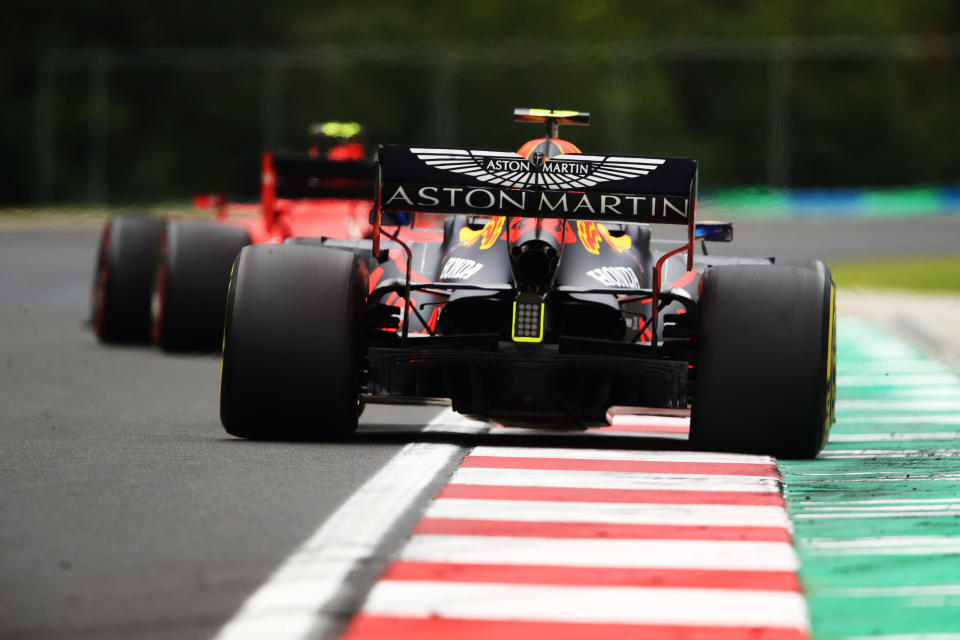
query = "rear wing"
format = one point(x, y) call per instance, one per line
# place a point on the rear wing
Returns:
point(580, 186)
point(303, 176)
point(295, 176)
point(603, 188)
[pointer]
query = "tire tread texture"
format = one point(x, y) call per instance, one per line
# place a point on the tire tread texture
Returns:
point(128, 262)
point(293, 344)
point(765, 374)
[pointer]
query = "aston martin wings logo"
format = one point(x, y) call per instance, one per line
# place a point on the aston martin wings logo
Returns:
point(566, 171)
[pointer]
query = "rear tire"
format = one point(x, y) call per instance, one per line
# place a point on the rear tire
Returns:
point(293, 344)
point(814, 265)
point(766, 367)
point(190, 288)
point(126, 262)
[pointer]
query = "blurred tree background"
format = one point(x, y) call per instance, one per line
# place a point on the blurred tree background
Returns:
point(126, 101)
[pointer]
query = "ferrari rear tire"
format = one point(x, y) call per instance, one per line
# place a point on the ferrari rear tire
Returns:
point(190, 288)
point(766, 362)
point(293, 344)
point(126, 262)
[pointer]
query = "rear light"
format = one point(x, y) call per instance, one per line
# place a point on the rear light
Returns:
point(528, 319)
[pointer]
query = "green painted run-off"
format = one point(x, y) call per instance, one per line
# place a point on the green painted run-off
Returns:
point(764, 202)
point(877, 516)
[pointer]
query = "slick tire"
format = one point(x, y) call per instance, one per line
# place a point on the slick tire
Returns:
point(126, 262)
point(293, 344)
point(190, 288)
point(766, 362)
point(815, 265)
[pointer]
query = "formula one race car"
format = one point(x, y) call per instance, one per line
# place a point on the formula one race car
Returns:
point(166, 280)
point(545, 303)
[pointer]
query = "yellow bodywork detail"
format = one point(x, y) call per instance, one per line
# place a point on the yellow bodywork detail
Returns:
point(513, 329)
point(589, 236)
point(337, 129)
point(552, 113)
point(489, 233)
point(619, 243)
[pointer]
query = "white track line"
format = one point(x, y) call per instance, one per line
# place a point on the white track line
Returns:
point(603, 552)
point(919, 436)
point(609, 605)
point(909, 591)
point(889, 508)
point(851, 454)
point(876, 476)
point(898, 366)
point(290, 603)
point(892, 546)
point(899, 405)
point(880, 501)
point(702, 515)
point(909, 636)
point(612, 480)
point(911, 419)
point(614, 454)
point(899, 380)
point(876, 514)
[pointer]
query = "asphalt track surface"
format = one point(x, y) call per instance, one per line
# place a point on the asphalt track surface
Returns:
point(125, 511)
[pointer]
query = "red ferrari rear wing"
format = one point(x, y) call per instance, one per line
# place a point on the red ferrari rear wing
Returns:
point(296, 176)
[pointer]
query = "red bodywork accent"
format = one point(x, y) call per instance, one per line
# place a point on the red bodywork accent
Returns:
point(348, 151)
point(565, 146)
point(684, 280)
point(216, 201)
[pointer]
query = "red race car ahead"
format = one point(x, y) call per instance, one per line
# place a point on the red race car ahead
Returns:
point(166, 280)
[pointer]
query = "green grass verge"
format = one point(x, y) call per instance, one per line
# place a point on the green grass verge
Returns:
point(920, 273)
